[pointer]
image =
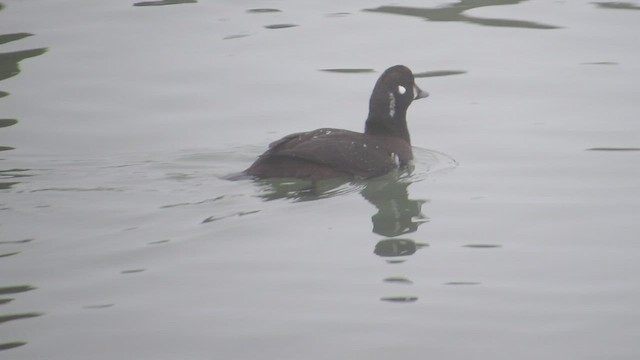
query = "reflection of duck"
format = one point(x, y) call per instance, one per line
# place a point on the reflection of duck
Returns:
point(397, 214)
point(326, 153)
point(396, 247)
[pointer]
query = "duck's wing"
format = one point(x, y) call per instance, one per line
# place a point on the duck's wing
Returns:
point(345, 151)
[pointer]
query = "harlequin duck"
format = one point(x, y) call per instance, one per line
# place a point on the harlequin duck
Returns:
point(326, 153)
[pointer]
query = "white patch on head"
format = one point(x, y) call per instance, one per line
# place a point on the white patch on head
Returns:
point(364, 145)
point(395, 158)
point(392, 105)
point(401, 89)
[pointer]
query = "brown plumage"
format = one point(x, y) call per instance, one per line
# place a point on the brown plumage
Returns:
point(325, 153)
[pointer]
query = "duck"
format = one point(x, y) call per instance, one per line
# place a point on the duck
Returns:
point(326, 153)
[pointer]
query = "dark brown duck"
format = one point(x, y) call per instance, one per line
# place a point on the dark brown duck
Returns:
point(326, 153)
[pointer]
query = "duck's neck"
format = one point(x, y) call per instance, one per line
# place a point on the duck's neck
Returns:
point(387, 120)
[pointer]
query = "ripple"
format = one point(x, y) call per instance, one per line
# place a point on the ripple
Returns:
point(236, 214)
point(400, 299)
point(158, 242)
point(16, 289)
point(132, 271)
point(482, 246)
point(427, 162)
point(263, 11)
point(98, 306)
point(396, 261)
point(600, 63)
point(11, 345)
point(206, 201)
point(5, 38)
point(7, 122)
point(12, 317)
point(280, 26)
point(437, 73)
point(338, 14)
point(15, 241)
point(9, 254)
point(398, 280)
point(235, 36)
point(305, 190)
point(10, 61)
point(617, 5)
point(78, 189)
point(454, 12)
point(164, 2)
point(614, 149)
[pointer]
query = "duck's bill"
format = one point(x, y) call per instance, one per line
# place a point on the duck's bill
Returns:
point(419, 93)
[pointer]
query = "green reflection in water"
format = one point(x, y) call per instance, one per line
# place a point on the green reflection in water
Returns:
point(164, 2)
point(9, 254)
point(338, 14)
point(398, 280)
point(8, 68)
point(454, 12)
point(10, 174)
point(15, 242)
point(132, 271)
point(397, 213)
point(11, 345)
point(262, 11)
point(236, 36)
point(9, 61)
point(439, 73)
point(395, 247)
point(617, 5)
point(600, 63)
point(13, 37)
point(7, 122)
point(614, 149)
point(16, 289)
point(400, 299)
point(99, 306)
point(280, 26)
point(11, 317)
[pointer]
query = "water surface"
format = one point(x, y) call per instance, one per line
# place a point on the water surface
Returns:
point(122, 237)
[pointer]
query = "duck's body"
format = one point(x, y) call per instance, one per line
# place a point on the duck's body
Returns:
point(325, 153)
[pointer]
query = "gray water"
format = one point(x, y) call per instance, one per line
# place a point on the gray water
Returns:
point(121, 237)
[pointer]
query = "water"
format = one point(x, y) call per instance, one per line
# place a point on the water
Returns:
point(121, 237)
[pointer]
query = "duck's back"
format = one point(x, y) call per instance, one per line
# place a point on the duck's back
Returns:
point(328, 153)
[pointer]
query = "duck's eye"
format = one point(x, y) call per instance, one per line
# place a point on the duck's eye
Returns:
point(401, 89)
